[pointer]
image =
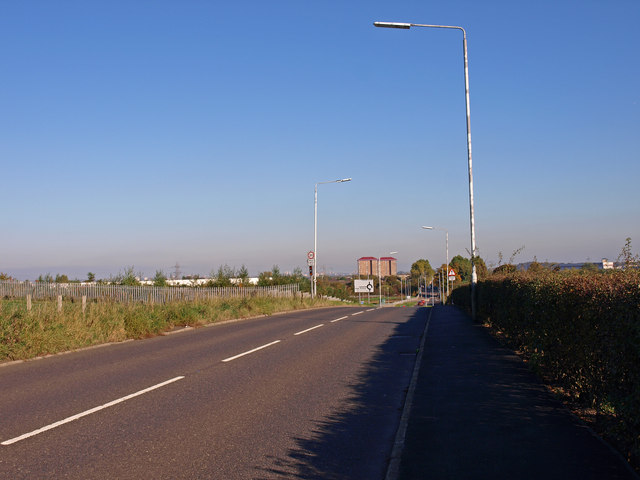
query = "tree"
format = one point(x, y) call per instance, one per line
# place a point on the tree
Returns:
point(481, 268)
point(128, 277)
point(91, 277)
point(47, 278)
point(462, 266)
point(626, 257)
point(588, 267)
point(393, 284)
point(160, 279)
point(265, 279)
point(275, 273)
point(5, 277)
point(61, 278)
point(243, 275)
point(420, 269)
point(222, 277)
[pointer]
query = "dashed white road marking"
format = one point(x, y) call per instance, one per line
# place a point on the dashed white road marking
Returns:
point(338, 319)
point(309, 329)
point(88, 412)
point(250, 351)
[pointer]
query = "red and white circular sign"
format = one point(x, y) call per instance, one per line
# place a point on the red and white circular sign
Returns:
point(310, 255)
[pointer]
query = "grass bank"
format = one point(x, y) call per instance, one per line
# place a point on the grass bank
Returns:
point(45, 330)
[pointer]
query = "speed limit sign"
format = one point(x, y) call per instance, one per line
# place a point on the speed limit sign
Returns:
point(310, 255)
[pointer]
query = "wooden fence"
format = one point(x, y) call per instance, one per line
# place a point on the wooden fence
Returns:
point(143, 294)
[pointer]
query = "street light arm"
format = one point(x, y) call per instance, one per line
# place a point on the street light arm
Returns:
point(340, 180)
point(436, 228)
point(407, 26)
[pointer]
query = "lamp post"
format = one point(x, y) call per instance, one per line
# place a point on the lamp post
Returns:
point(380, 281)
point(315, 232)
point(406, 26)
point(447, 246)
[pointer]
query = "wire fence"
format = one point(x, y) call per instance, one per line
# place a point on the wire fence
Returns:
point(142, 294)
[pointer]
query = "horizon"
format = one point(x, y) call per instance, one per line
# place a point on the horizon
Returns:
point(80, 274)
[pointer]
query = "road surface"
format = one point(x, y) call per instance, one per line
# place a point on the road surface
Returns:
point(314, 394)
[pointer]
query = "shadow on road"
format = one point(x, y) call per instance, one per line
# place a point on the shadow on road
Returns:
point(356, 440)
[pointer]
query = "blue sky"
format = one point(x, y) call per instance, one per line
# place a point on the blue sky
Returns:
point(153, 132)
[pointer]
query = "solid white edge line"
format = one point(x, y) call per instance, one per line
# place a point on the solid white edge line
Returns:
point(250, 351)
point(338, 319)
point(357, 313)
point(371, 310)
point(309, 329)
point(88, 412)
point(393, 469)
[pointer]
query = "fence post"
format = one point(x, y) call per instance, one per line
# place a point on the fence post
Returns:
point(59, 303)
point(84, 303)
point(28, 302)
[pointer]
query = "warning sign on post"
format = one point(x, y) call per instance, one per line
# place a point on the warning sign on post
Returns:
point(452, 274)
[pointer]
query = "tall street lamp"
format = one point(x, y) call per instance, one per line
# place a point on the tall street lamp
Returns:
point(406, 26)
point(380, 280)
point(447, 244)
point(315, 232)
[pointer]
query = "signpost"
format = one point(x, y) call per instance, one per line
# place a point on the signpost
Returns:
point(452, 275)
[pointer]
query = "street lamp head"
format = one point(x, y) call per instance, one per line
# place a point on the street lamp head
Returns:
point(405, 26)
point(344, 180)
point(392, 253)
point(428, 228)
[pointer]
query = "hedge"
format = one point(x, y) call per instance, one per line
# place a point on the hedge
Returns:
point(581, 332)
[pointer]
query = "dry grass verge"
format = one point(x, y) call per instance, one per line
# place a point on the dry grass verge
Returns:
point(43, 330)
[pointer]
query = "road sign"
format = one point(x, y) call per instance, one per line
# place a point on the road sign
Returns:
point(452, 274)
point(363, 286)
point(311, 255)
point(311, 261)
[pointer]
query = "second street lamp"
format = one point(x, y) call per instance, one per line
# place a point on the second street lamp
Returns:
point(315, 233)
point(406, 26)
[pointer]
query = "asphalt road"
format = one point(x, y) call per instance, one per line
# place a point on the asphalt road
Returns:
point(314, 395)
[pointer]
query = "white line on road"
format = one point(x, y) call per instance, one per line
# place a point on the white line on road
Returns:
point(338, 319)
point(371, 310)
point(309, 329)
point(88, 412)
point(250, 351)
point(357, 313)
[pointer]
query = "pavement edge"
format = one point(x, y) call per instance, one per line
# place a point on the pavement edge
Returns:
point(393, 469)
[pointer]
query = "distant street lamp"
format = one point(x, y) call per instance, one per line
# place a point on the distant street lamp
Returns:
point(380, 280)
point(447, 243)
point(315, 232)
point(406, 26)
